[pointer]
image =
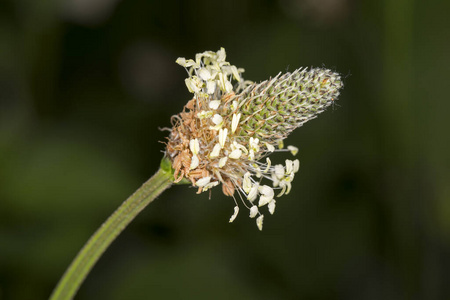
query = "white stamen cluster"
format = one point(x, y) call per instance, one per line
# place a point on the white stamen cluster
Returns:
point(222, 136)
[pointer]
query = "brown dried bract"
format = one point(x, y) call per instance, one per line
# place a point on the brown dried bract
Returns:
point(181, 164)
point(228, 188)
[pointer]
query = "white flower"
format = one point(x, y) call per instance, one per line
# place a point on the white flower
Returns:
point(296, 165)
point(210, 185)
point(210, 87)
point(194, 145)
point(269, 162)
point(194, 84)
point(259, 222)
point(235, 122)
point(247, 183)
point(279, 171)
point(214, 104)
point(266, 195)
point(228, 87)
point(222, 81)
point(236, 211)
point(203, 181)
point(235, 154)
point(236, 145)
point(253, 211)
point(234, 105)
point(254, 148)
point(270, 147)
point(205, 114)
point(223, 137)
point(194, 162)
point(204, 74)
point(186, 63)
point(253, 142)
point(289, 166)
point(235, 73)
point(253, 192)
point(221, 55)
point(215, 152)
point(223, 161)
point(271, 206)
point(218, 121)
point(181, 61)
point(293, 149)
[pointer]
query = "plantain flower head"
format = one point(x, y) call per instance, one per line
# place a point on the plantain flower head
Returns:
point(226, 132)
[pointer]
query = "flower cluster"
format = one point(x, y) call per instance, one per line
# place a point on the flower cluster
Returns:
point(226, 132)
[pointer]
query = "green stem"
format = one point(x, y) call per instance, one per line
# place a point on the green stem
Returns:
point(106, 234)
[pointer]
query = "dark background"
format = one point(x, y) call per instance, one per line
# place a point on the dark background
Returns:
point(84, 86)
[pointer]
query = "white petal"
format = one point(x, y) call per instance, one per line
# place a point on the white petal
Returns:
point(194, 145)
point(254, 142)
point(204, 74)
point(221, 54)
point(228, 87)
point(247, 183)
point(270, 147)
point(222, 137)
point(191, 85)
point(194, 162)
point(222, 80)
point(235, 73)
point(215, 152)
point(258, 170)
point(263, 200)
point(181, 61)
point(236, 211)
point(235, 154)
point(234, 105)
point(293, 149)
point(271, 207)
point(217, 119)
point(253, 211)
point(214, 104)
point(266, 190)
point(283, 185)
point(251, 155)
point(203, 181)
point(239, 146)
point(204, 114)
point(210, 185)
point(253, 193)
point(235, 122)
point(279, 171)
point(296, 165)
point(210, 87)
point(267, 195)
point(191, 63)
point(259, 222)
point(269, 162)
point(289, 166)
point(275, 180)
point(288, 184)
point(223, 161)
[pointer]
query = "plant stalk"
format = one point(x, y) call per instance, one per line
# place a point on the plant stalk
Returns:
point(107, 233)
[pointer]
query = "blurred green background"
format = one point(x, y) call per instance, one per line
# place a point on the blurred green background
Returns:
point(85, 85)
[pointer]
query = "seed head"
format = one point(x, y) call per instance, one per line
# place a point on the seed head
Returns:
point(225, 130)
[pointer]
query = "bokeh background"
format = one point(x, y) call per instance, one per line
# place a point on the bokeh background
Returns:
point(85, 85)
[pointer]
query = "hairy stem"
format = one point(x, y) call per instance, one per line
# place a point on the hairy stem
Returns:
point(107, 233)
